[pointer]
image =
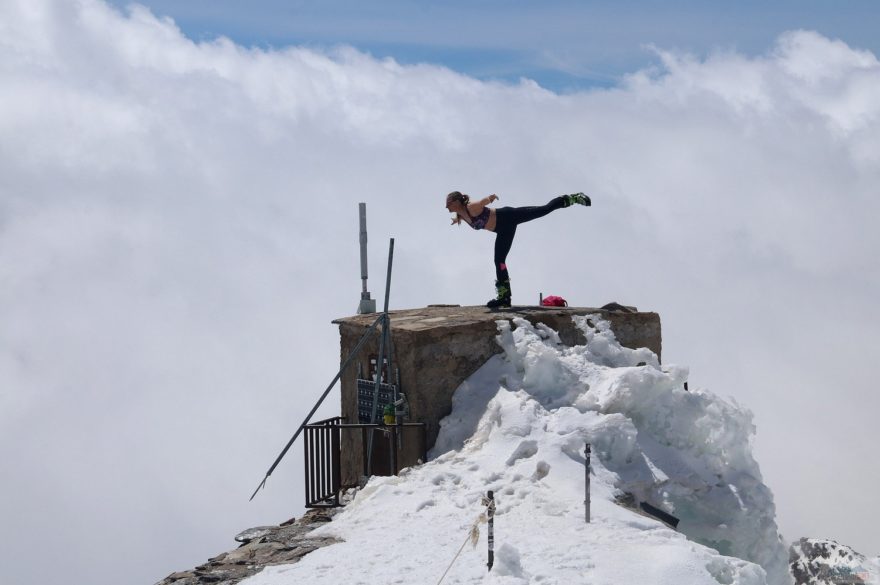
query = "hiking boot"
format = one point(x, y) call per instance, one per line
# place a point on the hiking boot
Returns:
point(502, 300)
point(578, 198)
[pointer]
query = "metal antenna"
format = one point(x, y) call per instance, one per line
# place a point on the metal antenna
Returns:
point(367, 305)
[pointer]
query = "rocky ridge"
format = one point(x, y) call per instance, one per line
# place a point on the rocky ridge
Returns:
point(260, 547)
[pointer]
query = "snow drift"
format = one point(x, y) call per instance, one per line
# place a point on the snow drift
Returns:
point(518, 427)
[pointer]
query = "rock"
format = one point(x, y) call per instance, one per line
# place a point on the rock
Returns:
point(262, 546)
point(250, 534)
point(816, 561)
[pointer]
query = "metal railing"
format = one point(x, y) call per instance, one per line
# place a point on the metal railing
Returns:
point(323, 453)
point(323, 474)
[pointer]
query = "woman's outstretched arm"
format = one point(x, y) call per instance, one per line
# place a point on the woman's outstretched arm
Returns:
point(477, 208)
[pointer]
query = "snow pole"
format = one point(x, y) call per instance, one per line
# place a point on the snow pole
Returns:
point(587, 484)
point(474, 533)
point(490, 514)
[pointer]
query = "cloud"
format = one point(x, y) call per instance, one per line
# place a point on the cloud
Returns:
point(178, 226)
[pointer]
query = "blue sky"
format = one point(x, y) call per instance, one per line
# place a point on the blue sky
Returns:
point(561, 44)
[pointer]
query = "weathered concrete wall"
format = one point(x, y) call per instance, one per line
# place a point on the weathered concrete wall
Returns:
point(438, 347)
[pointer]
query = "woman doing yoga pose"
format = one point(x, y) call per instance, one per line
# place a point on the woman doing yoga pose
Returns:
point(503, 222)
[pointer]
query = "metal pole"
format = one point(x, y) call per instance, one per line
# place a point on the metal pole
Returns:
point(490, 514)
point(386, 326)
point(362, 212)
point(587, 484)
point(350, 357)
point(388, 273)
point(367, 304)
point(379, 368)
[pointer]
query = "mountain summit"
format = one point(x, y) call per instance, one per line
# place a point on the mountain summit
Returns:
point(518, 427)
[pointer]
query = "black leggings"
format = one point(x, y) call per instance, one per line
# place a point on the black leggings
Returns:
point(506, 220)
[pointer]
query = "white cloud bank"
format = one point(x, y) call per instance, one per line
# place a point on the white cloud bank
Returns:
point(178, 226)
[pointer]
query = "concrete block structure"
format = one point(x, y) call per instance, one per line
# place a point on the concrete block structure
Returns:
point(438, 347)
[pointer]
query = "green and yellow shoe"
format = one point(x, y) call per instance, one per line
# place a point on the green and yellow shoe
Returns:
point(502, 301)
point(578, 198)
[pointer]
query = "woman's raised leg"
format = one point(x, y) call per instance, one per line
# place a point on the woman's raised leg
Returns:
point(520, 215)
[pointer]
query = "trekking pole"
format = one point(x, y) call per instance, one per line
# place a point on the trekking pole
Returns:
point(587, 484)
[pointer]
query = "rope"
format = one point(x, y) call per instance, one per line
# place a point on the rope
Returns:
point(461, 548)
point(473, 534)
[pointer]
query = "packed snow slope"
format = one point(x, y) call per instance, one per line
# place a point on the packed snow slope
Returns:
point(518, 427)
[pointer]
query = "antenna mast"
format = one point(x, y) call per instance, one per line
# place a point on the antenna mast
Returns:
point(367, 305)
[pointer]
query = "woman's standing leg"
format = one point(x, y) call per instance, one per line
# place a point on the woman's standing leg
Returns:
point(503, 241)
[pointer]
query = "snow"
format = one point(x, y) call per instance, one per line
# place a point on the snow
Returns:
point(518, 427)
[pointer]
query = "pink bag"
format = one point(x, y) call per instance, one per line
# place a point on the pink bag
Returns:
point(554, 301)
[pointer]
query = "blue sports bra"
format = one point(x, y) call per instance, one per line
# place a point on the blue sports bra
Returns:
point(479, 222)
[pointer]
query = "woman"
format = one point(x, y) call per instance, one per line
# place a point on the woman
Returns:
point(503, 222)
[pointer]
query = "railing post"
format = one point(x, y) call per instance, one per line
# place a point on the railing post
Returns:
point(325, 459)
point(306, 459)
point(312, 465)
point(337, 455)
